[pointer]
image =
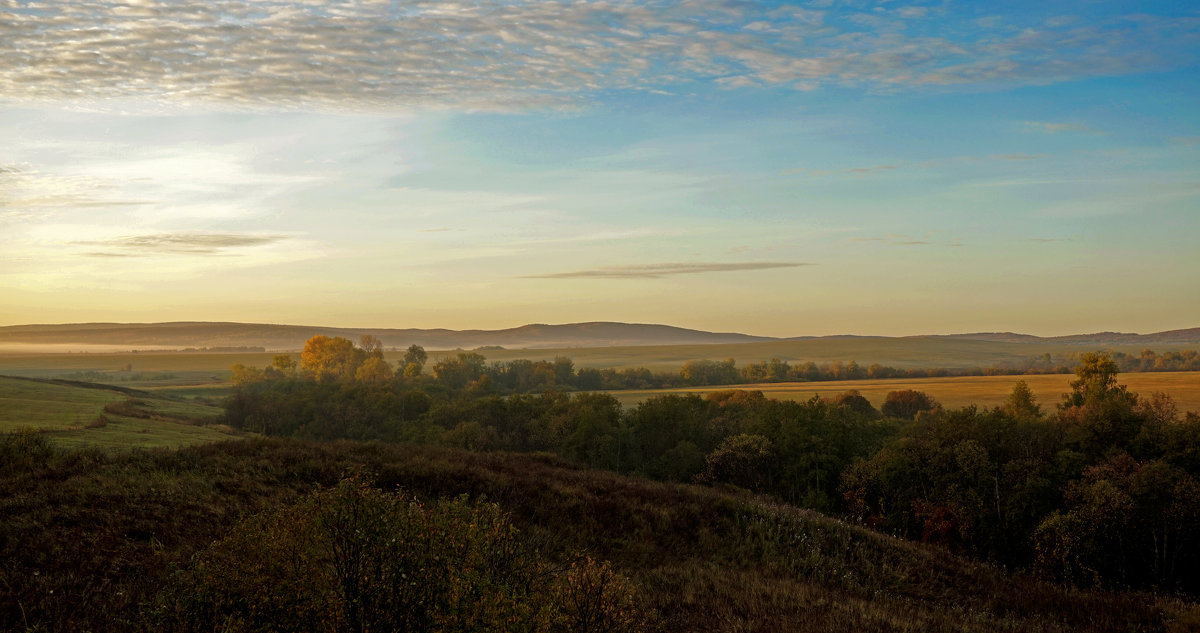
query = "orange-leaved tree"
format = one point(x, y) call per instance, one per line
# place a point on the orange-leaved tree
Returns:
point(334, 358)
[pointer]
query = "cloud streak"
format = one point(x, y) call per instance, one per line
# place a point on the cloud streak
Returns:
point(1050, 127)
point(901, 240)
point(498, 55)
point(178, 243)
point(658, 271)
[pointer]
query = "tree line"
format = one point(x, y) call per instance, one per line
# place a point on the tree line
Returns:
point(1101, 490)
point(339, 359)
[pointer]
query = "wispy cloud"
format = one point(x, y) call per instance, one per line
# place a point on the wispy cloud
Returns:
point(656, 271)
point(185, 243)
point(897, 240)
point(28, 193)
point(850, 171)
point(1050, 127)
point(1018, 156)
point(498, 54)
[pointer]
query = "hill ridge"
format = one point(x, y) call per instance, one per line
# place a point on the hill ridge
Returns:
point(289, 337)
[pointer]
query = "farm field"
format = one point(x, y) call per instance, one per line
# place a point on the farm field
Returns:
point(985, 391)
point(903, 353)
point(108, 418)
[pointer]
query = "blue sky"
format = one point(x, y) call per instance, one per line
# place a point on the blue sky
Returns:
point(774, 168)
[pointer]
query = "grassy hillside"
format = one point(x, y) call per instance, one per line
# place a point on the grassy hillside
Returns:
point(89, 540)
point(103, 416)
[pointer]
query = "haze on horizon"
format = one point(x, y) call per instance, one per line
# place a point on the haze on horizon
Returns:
point(779, 169)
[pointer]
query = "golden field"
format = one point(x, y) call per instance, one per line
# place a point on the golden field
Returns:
point(984, 391)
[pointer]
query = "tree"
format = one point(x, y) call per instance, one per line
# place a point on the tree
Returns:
point(371, 345)
point(1096, 380)
point(1021, 404)
point(855, 401)
point(284, 364)
point(328, 358)
point(243, 375)
point(415, 355)
point(374, 369)
point(458, 372)
point(906, 404)
point(742, 460)
point(708, 372)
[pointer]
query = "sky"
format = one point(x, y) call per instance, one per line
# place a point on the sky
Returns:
point(784, 169)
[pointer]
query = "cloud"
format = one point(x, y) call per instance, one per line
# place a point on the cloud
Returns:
point(656, 271)
point(26, 193)
point(178, 243)
point(1018, 156)
point(852, 171)
point(898, 240)
point(1049, 127)
point(504, 55)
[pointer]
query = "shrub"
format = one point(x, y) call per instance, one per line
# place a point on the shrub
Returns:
point(353, 558)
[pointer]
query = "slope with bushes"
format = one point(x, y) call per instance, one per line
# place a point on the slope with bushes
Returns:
point(106, 542)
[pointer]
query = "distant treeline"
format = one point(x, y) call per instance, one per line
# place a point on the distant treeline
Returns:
point(340, 359)
point(123, 375)
point(1103, 491)
point(239, 349)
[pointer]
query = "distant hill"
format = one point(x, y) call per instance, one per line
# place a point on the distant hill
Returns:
point(1190, 336)
point(291, 337)
point(180, 335)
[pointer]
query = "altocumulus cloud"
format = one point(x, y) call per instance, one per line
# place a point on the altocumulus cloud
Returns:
point(493, 54)
point(655, 271)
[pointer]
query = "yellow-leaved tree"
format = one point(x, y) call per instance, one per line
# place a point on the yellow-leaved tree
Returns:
point(327, 358)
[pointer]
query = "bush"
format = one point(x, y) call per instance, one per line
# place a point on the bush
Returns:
point(356, 559)
point(907, 404)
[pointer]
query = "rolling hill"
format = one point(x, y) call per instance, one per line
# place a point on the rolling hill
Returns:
point(277, 337)
point(292, 337)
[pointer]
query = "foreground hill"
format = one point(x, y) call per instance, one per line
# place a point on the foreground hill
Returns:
point(89, 539)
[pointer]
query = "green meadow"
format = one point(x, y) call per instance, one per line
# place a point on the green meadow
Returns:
point(93, 415)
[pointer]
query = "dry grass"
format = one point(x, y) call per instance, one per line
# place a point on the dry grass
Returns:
point(985, 391)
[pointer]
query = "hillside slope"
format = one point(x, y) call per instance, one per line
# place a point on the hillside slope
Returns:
point(88, 541)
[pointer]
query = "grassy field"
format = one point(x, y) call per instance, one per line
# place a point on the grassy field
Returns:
point(904, 353)
point(985, 391)
point(74, 415)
